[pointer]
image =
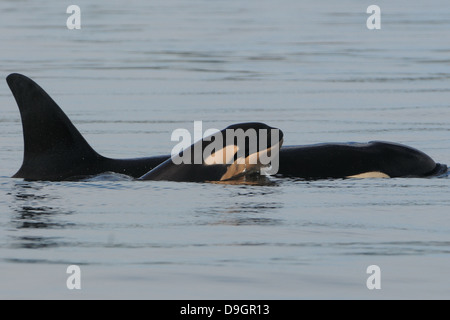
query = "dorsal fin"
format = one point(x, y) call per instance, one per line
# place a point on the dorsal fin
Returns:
point(53, 147)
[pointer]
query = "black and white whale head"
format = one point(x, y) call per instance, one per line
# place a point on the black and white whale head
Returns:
point(236, 151)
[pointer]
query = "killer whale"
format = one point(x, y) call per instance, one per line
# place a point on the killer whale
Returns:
point(375, 159)
point(231, 158)
point(55, 150)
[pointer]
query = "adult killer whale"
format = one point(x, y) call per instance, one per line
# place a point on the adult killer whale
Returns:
point(54, 150)
point(375, 159)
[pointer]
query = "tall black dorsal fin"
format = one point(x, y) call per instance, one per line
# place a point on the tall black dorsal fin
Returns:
point(53, 148)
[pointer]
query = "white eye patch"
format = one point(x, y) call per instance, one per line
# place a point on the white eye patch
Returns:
point(222, 156)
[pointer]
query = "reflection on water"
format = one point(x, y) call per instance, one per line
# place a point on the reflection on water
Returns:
point(396, 248)
point(249, 205)
point(34, 242)
point(250, 180)
point(33, 208)
point(30, 204)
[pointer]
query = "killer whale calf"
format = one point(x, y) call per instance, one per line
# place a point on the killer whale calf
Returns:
point(232, 158)
point(54, 150)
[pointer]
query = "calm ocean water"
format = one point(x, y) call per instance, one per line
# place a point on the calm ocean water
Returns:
point(138, 69)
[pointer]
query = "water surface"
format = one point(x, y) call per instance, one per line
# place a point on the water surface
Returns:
point(138, 70)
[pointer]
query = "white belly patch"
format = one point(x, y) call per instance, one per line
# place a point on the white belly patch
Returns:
point(371, 174)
